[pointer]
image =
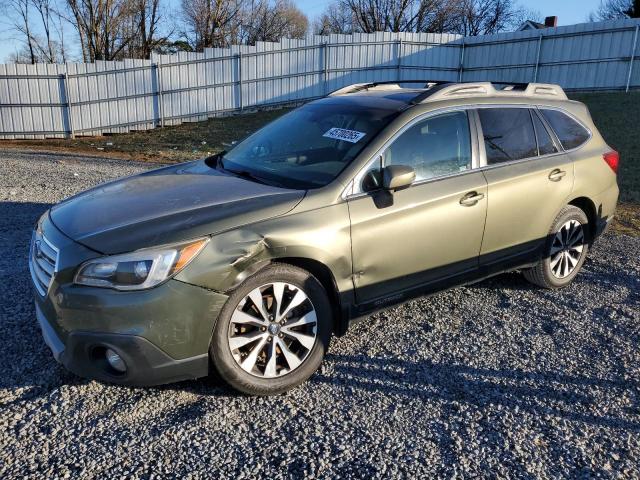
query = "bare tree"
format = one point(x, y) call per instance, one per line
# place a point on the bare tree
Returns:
point(17, 13)
point(101, 27)
point(468, 17)
point(266, 21)
point(436, 16)
point(613, 9)
point(484, 17)
point(211, 23)
point(44, 10)
point(145, 28)
point(348, 16)
point(335, 19)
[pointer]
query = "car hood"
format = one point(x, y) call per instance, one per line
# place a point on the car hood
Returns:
point(167, 205)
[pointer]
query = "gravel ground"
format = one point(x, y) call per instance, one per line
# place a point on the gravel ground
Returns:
point(496, 379)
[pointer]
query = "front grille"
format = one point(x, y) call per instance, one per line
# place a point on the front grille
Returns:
point(43, 262)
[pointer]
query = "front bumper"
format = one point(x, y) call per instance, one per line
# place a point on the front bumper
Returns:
point(162, 333)
point(83, 354)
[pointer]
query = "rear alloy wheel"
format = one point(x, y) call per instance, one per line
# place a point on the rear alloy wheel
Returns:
point(566, 250)
point(273, 331)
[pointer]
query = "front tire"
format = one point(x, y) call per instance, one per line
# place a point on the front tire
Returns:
point(565, 251)
point(273, 332)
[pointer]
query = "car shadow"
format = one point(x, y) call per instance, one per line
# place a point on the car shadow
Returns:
point(572, 397)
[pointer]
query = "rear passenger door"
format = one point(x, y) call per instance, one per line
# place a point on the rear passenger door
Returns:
point(529, 178)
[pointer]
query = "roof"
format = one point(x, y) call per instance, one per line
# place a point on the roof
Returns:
point(391, 99)
point(531, 25)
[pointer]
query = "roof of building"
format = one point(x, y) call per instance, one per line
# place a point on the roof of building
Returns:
point(531, 25)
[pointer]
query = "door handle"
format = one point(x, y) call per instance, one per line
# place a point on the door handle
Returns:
point(556, 175)
point(471, 198)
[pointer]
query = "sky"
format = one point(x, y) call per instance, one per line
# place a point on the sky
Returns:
point(567, 11)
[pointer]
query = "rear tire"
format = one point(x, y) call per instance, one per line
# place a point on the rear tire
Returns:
point(565, 250)
point(271, 348)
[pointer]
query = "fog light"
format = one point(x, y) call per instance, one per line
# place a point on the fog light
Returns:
point(115, 361)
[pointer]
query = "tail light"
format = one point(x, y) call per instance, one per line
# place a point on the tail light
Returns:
point(613, 160)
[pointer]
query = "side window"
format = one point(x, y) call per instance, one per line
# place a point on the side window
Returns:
point(545, 144)
point(570, 133)
point(508, 134)
point(437, 146)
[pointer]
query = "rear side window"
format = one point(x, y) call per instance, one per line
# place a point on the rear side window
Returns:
point(570, 133)
point(545, 144)
point(508, 134)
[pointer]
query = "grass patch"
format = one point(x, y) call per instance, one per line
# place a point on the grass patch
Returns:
point(617, 116)
point(178, 143)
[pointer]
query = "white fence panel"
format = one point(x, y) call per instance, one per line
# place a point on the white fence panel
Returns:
point(38, 101)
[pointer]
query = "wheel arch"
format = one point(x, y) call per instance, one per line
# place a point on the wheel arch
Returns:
point(589, 208)
point(325, 276)
point(340, 301)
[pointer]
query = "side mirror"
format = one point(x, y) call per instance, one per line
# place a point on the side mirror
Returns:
point(395, 177)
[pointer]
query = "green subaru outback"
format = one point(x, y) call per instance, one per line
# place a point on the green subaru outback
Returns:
point(249, 261)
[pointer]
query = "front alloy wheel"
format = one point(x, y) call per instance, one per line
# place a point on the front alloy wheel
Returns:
point(272, 330)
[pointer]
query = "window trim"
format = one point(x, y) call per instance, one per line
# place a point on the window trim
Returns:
point(353, 190)
point(552, 134)
point(572, 117)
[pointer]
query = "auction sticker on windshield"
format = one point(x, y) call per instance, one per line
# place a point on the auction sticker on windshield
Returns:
point(352, 136)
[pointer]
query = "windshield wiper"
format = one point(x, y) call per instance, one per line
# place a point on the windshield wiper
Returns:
point(217, 162)
point(243, 174)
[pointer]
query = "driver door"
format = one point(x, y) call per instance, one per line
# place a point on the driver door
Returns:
point(432, 230)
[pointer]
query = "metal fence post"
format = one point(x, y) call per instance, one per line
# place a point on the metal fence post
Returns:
point(399, 55)
point(240, 80)
point(325, 66)
point(65, 86)
point(535, 73)
point(461, 68)
point(633, 54)
point(156, 68)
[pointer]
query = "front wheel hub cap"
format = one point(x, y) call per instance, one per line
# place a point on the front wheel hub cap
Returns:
point(272, 330)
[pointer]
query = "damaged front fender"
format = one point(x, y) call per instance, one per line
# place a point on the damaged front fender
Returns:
point(322, 235)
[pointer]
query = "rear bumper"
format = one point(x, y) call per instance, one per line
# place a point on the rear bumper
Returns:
point(605, 204)
point(84, 354)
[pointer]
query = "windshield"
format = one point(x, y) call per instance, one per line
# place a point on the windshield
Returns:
point(308, 147)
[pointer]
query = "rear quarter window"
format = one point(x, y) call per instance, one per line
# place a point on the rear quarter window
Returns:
point(508, 134)
point(570, 133)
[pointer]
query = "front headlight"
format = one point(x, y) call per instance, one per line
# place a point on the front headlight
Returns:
point(140, 269)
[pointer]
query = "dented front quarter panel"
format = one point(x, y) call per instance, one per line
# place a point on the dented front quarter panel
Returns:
point(308, 232)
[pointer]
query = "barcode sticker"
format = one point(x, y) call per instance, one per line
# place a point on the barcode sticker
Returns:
point(351, 136)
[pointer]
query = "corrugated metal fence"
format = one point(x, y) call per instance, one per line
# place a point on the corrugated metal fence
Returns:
point(38, 101)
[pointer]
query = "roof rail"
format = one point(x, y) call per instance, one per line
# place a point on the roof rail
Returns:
point(441, 90)
point(488, 89)
point(357, 87)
